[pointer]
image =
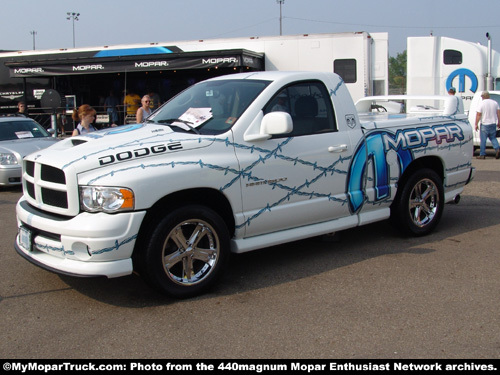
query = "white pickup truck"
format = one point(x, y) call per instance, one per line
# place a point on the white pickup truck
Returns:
point(234, 164)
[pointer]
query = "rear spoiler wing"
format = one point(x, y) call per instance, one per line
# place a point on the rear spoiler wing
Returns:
point(409, 104)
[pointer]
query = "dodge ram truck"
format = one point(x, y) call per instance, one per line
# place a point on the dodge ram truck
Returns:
point(233, 164)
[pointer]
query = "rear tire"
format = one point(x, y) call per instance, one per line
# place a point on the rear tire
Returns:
point(419, 206)
point(187, 251)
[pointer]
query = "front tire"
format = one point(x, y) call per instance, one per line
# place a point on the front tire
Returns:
point(187, 251)
point(419, 207)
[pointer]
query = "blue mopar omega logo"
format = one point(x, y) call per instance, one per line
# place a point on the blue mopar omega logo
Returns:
point(461, 74)
point(374, 150)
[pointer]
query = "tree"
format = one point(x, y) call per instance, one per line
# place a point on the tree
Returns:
point(397, 73)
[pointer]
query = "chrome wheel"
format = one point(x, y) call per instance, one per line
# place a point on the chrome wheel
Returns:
point(186, 252)
point(423, 202)
point(190, 252)
point(419, 203)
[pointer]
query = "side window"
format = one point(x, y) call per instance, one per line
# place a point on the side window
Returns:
point(346, 69)
point(309, 105)
point(452, 57)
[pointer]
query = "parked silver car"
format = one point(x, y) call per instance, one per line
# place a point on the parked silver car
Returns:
point(19, 136)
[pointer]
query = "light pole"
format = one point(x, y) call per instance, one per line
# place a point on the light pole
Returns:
point(33, 33)
point(73, 16)
point(280, 2)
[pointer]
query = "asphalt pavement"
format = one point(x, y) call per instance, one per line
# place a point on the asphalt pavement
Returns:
point(368, 293)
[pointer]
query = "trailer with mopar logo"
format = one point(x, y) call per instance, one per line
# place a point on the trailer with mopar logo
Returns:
point(436, 64)
point(234, 164)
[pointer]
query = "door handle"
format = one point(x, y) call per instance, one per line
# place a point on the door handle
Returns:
point(337, 148)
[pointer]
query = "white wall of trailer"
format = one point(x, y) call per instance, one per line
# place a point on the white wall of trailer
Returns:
point(436, 63)
point(317, 52)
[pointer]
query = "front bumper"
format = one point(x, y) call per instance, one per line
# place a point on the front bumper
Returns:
point(85, 245)
point(10, 175)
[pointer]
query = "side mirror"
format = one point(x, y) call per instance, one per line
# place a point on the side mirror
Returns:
point(276, 123)
point(263, 127)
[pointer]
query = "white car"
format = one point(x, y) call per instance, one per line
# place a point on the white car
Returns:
point(495, 95)
point(19, 136)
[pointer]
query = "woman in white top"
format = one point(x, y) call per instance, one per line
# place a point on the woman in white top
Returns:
point(86, 116)
point(144, 111)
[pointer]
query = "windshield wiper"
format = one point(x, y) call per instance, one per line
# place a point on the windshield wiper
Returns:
point(170, 122)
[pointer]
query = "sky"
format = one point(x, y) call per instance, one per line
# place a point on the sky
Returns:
point(43, 24)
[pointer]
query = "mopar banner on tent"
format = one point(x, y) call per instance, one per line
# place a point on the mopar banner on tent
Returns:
point(172, 61)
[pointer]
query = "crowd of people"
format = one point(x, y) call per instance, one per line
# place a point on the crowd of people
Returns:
point(135, 108)
point(131, 109)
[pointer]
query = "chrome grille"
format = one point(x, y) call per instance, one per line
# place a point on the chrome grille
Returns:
point(47, 188)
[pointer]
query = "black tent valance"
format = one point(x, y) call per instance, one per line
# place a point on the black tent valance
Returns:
point(66, 64)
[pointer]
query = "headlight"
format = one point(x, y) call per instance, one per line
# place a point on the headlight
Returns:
point(8, 159)
point(106, 199)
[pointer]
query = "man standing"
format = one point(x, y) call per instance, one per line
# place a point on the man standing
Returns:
point(488, 113)
point(454, 104)
point(132, 102)
point(111, 106)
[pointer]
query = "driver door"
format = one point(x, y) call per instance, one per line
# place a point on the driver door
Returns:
point(298, 178)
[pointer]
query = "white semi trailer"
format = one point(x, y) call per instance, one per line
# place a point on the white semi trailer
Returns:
point(434, 64)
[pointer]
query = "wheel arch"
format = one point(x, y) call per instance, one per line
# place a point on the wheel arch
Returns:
point(208, 197)
point(432, 162)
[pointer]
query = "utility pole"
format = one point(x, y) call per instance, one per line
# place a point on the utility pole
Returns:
point(281, 2)
point(33, 33)
point(73, 16)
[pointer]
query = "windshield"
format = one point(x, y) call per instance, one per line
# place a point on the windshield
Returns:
point(10, 130)
point(209, 107)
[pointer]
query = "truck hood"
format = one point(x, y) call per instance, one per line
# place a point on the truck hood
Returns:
point(116, 145)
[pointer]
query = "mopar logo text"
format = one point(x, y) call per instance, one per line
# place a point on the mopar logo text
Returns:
point(139, 153)
point(372, 153)
point(420, 137)
point(149, 64)
point(220, 60)
point(28, 70)
point(88, 67)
